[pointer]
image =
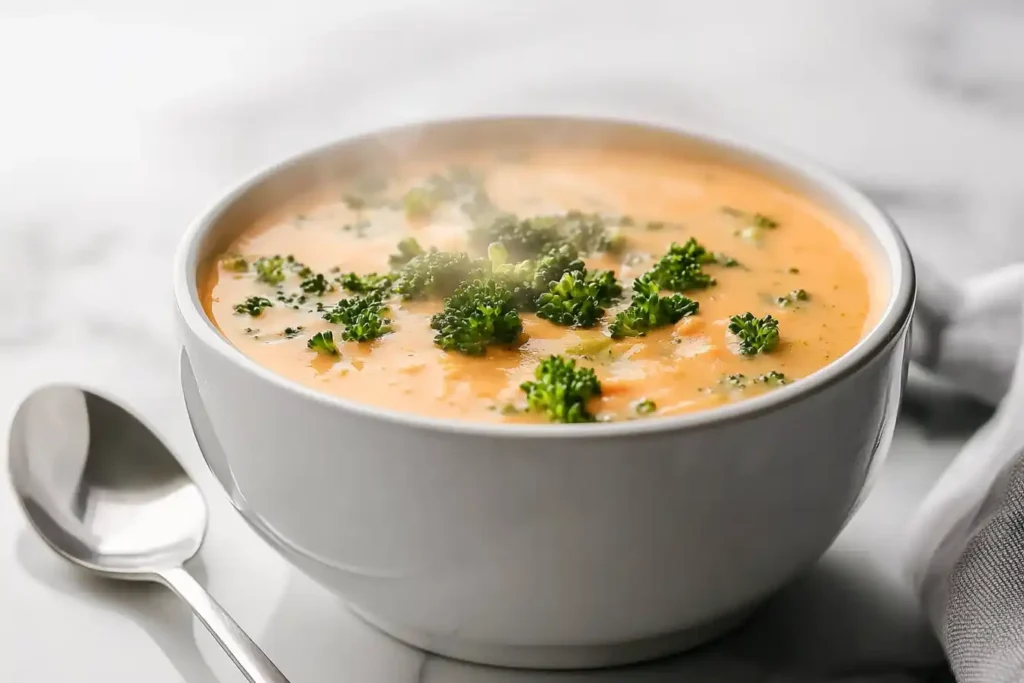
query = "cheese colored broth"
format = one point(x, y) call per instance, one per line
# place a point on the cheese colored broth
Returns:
point(688, 366)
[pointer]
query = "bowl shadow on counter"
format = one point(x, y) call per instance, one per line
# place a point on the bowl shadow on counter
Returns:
point(160, 613)
point(839, 621)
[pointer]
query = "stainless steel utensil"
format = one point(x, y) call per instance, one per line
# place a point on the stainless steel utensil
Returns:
point(105, 493)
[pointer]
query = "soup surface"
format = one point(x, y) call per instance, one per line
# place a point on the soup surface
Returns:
point(769, 252)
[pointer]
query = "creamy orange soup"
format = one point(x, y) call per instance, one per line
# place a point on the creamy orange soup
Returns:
point(793, 261)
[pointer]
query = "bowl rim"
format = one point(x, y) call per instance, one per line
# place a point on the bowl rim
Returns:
point(895, 317)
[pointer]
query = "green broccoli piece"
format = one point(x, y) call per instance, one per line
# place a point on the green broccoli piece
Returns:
point(555, 263)
point(408, 249)
point(572, 301)
point(365, 284)
point(682, 268)
point(589, 233)
point(270, 269)
point(316, 284)
point(608, 288)
point(646, 407)
point(787, 300)
point(756, 335)
point(522, 238)
point(436, 273)
point(560, 390)
point(479, 313)
point(772, 378)
point(323, 342)
point(254, 306)
point(649, 310)
point(234, 263)
point(365, 318)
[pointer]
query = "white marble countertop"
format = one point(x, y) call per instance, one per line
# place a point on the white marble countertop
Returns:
point(119, 125)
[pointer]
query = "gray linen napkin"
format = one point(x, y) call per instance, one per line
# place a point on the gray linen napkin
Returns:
point(966, 555)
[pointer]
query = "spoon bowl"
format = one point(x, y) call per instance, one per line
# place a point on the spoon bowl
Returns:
point(77, 467)
point(107, 494)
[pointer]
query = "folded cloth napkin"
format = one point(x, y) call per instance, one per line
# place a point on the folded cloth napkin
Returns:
point(966, 555)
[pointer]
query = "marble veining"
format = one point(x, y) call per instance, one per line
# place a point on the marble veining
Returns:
point(121, 122)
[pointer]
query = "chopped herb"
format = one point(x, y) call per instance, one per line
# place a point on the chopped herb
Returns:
point(787, 300)
point(254, 306)
point(316, 284)
point(290, 332)
point(756, 335)
point(478, 314)
point(755, 223)
point(737, 381)
point(323, 342)
point(772, 379)
point(682, 268)
point(560, 390)
point(649, 310)
point(646, 407)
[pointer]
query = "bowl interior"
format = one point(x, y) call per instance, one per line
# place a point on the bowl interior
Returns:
point(884, 252)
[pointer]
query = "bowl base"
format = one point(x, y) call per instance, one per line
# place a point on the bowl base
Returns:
point(559, 657)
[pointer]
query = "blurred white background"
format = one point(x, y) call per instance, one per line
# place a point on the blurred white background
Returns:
point(120, 121)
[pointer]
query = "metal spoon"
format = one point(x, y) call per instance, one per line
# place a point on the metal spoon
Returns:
point(104, 492)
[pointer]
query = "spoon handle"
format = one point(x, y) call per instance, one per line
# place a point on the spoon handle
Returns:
point(249, 658)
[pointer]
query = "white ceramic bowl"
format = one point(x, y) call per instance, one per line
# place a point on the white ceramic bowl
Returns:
point(549, 545)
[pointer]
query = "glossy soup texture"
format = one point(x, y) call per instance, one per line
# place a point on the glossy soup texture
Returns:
point(776, 252)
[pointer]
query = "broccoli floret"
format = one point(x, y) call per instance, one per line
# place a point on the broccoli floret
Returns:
point(435, 273)
point(608, 288)
point(315, 284)
point(365, 318)
point(682, 268)
point(408, 249)
point(254, 306)
point(572, 301)
point(365, 284)
point(555, 263)
point(560, 390)
point(756, 335)
point(522, 238)
point(479, 313)
point(323, 342)
point(526, 238)
point(787, 300)
point(649, 310)
point(270, 269)
point(234, 263)
point(589, 233)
